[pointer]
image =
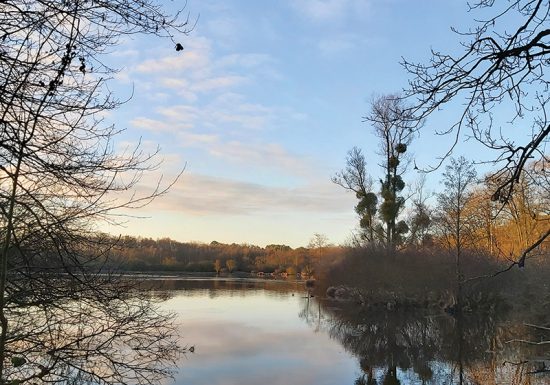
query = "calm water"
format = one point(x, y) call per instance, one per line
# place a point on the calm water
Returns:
point(270, 332)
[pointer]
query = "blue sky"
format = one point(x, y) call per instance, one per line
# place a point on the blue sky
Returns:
point(263, 105)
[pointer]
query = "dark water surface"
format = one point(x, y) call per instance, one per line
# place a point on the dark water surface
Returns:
point(252, 332)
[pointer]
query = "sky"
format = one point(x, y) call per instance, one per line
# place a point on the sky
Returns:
point(261, 107)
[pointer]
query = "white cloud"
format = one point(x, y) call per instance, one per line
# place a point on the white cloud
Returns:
point(180, 87)
point(206, 195)
point(125, 53)
point(225, 114)
point(219, 82)
point(198, 72)
point(156, 125)
point(250, 60)
point(178, 114)
point(330, 10)
point(195, 56)
point(171, 82)
point(264, 155)
point(336, 45)
point(199, 65)
point(202, 111)
point(190, 90)
point(198, 128)
point(186, 61)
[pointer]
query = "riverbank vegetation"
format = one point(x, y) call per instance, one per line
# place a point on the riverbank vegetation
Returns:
point(150, 255)
point(458, 239)
point(488, 233)
point(61, 176)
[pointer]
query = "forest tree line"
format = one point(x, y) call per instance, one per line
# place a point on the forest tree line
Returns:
point(488, 228)
point(147, 254)
point(470, 211)
point(428, 224)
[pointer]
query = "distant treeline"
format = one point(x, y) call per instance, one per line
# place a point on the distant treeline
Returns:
point(146, 254)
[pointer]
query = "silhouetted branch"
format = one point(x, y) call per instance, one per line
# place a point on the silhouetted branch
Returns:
point(494, 67)
point(520, 262)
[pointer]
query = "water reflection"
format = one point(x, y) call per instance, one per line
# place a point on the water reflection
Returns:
point(272, 332)
point(248, 332)
point(220, 287)
point(415, 347)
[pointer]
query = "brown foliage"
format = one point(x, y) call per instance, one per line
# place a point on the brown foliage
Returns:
point(422, 276)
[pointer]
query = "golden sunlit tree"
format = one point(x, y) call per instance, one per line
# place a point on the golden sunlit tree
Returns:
point(500, 82)
point(453, 223)
point(217, 266)
point(318, 243)
point(230, 264)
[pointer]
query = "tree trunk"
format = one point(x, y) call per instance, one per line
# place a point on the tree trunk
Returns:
point(4, 268)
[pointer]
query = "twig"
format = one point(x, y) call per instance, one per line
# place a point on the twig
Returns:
point(520, 262)
point(537, 326)
point(528, 342)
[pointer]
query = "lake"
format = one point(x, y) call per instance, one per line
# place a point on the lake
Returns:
point(255, 331)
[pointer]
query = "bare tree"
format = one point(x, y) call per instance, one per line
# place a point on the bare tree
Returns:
point(421, 220)
point(355, 178)
point(485, 215)
point(217, 266)
point(527, 209)
point(62, 316)
point(394, 125)
point(230, 263)
point(318, 242)
point(502, 65)
point(459, 178)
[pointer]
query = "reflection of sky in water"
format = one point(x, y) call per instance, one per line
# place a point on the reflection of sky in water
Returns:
point(255, 337)
point(253, 332)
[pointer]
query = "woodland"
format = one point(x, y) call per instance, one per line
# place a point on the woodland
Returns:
point(68, 315)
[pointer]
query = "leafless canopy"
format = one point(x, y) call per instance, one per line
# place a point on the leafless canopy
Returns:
point(500, 79)
point(63, 317)
point(355, 176)
point(393, 123)
point(498, 65)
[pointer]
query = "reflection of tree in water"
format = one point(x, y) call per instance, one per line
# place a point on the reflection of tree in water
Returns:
point(388, 340)
point(66, 332)
point(312, 312)
point(214, 287)
point(436, 348)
